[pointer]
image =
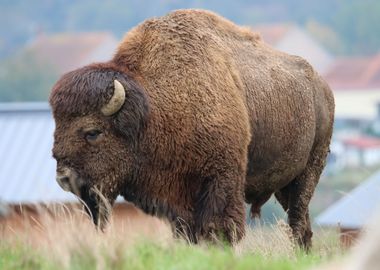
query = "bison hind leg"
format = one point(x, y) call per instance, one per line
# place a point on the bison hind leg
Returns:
point(257, 203)
point(296, 196)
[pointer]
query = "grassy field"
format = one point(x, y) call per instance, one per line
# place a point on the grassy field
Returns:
point(152, 256)
point(72, 243)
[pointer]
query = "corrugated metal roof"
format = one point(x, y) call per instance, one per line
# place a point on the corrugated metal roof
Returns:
point(356, 208)
point(4, 211)
point(27, 169)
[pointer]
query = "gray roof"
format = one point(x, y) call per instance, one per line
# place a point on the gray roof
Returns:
point(27, 170)
point(4, 211)
point(356, 208)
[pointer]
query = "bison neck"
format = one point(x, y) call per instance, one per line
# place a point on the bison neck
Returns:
point(154, 199)
point(149, 204)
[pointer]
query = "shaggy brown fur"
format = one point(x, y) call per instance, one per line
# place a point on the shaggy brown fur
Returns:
point(211, 113)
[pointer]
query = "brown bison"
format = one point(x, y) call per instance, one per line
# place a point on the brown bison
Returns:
point(191, 117)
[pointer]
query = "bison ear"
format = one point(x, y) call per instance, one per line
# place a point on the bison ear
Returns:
point(116, 101)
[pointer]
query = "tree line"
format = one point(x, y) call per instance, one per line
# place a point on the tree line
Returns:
point(345, 27)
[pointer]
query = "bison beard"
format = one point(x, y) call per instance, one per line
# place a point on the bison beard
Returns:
point(193, 116)
point(91, 203)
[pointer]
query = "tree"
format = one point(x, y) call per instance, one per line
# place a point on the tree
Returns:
point(326, 36)
point(358, 24)
point(26, 78)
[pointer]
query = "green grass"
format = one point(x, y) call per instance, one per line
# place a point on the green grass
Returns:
point(19, 257)
point(148, 255)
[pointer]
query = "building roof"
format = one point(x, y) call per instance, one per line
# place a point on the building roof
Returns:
point(292, 39)
point(67, 51)
point(4, 211)
point(362, 142)
point(354, 73)
point(27, 167)
point(356, 208)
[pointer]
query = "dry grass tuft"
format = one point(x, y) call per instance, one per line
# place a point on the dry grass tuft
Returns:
point(268, 241)
point(62, 231)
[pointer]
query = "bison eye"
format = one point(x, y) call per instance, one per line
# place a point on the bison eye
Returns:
point(92, 135)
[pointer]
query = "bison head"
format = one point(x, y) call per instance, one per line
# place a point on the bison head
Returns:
point(100, 115)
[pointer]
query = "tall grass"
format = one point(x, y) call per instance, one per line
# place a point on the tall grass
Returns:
point(63, 238)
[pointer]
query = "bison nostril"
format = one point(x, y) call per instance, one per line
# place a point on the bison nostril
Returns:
point(64, 182)
point(64, 179)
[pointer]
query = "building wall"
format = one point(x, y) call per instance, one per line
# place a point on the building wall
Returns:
point(356, 103)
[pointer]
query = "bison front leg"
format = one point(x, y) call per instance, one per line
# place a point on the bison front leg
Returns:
point(220, 208)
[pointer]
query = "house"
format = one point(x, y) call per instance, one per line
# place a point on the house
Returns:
point(356, 85)
point(362, 151)
point(354, 210)
point(68, 51)
point(27, 178)
point(292, 39)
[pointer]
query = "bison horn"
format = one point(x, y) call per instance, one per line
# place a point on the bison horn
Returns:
point(116, 101)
